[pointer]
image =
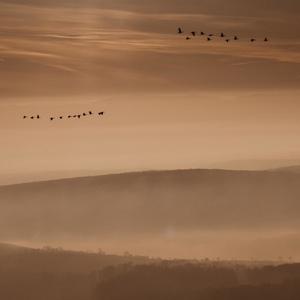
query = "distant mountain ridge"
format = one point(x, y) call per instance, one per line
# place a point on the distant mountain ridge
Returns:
point(150, 202)
point(292, 168)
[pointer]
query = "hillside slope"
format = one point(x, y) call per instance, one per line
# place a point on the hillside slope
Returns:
point(150, 202)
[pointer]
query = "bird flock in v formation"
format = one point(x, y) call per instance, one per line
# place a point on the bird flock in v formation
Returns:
point(75, 116)
point(212, 36)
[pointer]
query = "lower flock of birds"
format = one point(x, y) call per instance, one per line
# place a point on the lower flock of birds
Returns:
point(211, 36)
point(76, 116)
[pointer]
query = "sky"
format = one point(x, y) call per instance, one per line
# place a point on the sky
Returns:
point(169, 103)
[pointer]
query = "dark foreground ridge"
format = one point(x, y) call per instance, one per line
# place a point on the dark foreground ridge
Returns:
point(57, 274)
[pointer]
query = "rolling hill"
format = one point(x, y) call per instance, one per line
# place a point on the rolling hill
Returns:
point(150, 204)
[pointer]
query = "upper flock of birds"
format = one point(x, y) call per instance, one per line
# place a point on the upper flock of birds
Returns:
point(211, 36)
point(77, 116)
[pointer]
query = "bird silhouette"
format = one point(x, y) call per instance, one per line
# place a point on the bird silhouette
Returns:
point(193, 33)
point(61, 118)
point(252, 40)
point(69, 117)
point(84, 114)
point(180, 31)
point(90, 113)
point(31, 118)
point(78, 116)
point(187, 38)
point(101, 113)
point(51, 119)
point(266, 40)
point(24, 117)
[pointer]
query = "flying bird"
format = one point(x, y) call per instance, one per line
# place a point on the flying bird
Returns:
point(179, 30)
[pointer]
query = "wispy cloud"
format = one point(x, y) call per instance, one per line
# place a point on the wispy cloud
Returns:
point(137, 45)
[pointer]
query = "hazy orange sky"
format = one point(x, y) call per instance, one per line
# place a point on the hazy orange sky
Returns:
point(169, 103)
